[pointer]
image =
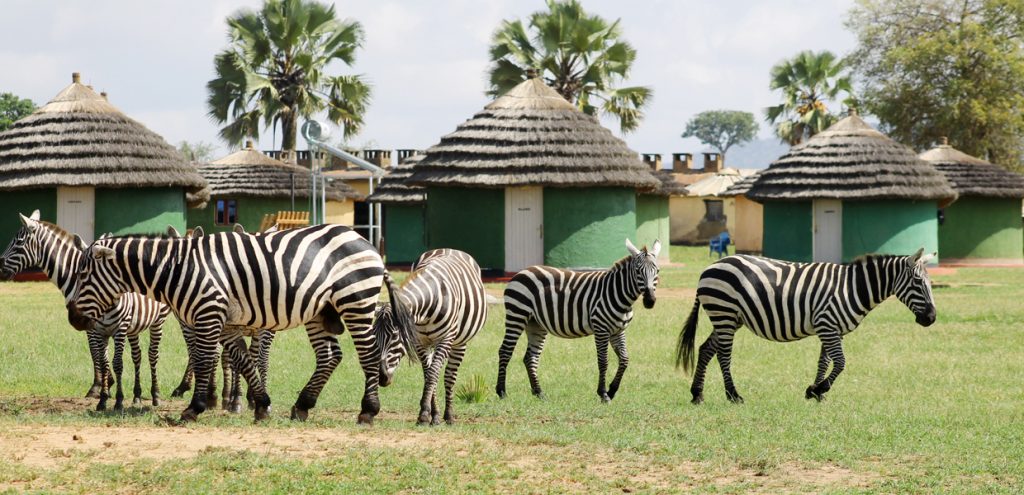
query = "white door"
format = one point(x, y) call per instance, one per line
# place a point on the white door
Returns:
point(75, 210)
point(828, 230)
point(524, 227)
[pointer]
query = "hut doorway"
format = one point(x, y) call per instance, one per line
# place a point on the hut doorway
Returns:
point(524, 229)
point(828, 230)
point(76, 208)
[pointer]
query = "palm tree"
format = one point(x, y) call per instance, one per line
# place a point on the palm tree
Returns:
point(807, 81)
point(581, 56)
point(274, 71)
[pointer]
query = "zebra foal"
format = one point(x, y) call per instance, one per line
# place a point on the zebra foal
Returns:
point(784, 302)
point(445, 299)
point(573, 304)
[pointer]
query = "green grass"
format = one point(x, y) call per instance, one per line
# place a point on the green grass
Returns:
point(924, 410)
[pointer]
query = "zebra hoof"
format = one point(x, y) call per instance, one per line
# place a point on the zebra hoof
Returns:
point(189, 416)
point(102, 406)
point(137, 401)
point(119, 406)
point(540, 395)
point(262, 414)
point(734, 398)
point(698, 399)
point(365, 419)
point(93, 393)
point(500, 392)
point(236, 408)
point(814, 394)
point(156, 402)
point(178, 392)
point(303, 414)
point(605, 398)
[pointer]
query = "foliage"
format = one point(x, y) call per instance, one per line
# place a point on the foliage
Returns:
point(808, 81)
point(945, 68)
point(581, 56)
point(275, 71)
point(474, 391)
point(198, 151)
point(721, 129)
point(13, 108)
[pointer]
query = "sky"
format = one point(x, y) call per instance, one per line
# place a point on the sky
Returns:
point(426, 59)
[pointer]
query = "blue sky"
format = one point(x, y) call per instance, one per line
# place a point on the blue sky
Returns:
point(425, 59)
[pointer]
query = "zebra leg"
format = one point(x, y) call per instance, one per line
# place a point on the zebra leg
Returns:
point(601, 339)
point(98, 348)
point(431, 371)
point(205, 362)
point(156, 334)
point(535, 338)
point(266, 340)
point(98, 367)
point(707, 351)
point(233, 395)
point(724, 361)
point(823, 361)
point(186, 379)
point(513, 329)
point(254, 355)
point(119, 338)
point(229, 370)
point(618, 342)
point(451, 372)
point(235, 346)
point(832, 343)
point(328, 355)
point(133, 343)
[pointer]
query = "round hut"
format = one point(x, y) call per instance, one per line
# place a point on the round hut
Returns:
point(90, 169)
point(532, 180)
point(746, 223)
point(246, 185)
point(984, 225)
point(849, 191)
point(405, 211)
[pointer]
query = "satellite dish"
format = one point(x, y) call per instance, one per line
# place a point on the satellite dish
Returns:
point(316, 131)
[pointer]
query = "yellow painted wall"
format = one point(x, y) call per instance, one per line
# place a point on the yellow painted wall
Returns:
point(361, 185)
point(341, 212)
point(685, 213)
point(748, 232)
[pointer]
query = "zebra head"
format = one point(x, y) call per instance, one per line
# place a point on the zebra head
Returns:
point(914, 289)
point(23, 251)
point(644, 265)
point(98, 286)
point(385, 332)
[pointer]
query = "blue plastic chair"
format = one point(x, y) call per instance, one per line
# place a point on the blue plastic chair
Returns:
point(719, 244)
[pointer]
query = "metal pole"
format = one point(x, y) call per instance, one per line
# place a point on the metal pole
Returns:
point(293, 190)
point(323, 199)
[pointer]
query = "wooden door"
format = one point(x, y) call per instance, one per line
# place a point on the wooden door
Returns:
point(75, 211)
point(524, 227)
point(828, 230)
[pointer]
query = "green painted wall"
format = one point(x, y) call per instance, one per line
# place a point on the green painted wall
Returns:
point(982, 228)
point(652, 221)
point(250, 212)
point(139, 211)
point(889, 227)
point(472, 220)
point(404, 232)
point(787, 230)
point(587, 227)
point(24, 201)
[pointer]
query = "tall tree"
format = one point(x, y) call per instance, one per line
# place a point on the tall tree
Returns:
point(13, 108)
point(581, 56)
point(722, 129)
point(945, 68)
point(197, 151)
point(275, 71)
point(808, 81)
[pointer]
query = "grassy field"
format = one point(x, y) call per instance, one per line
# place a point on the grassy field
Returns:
point(924, 410)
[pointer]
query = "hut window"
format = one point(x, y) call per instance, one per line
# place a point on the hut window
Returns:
point(713, 210)
point(227, 212)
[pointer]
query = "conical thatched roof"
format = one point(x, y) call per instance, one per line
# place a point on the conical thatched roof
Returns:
point(741, 187)
point(851, 161)
point(393, 187)
point(80, 139)
point(247, 172)
point(532, 136)
point(973, 176)
point(668, 187)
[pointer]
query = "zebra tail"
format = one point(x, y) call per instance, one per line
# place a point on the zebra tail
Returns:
point(684, 349)
point(402, 318)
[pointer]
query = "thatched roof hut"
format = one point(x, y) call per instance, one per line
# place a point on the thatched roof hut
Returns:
point(669, 185)
point(851, 161)
point(248, 172)
point(531, 136)
point(393, 188)
point(81, 139)
point(972, 176)
point(740, 187)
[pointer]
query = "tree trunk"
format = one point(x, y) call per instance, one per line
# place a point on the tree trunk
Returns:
point(289, 129)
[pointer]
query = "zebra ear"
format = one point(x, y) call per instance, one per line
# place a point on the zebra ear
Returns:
point(28, 222)
point(914, 258)
point(656, 248)
point(172, 232)
point(197, 232)
point(35, 215)
point(102, 253)
point(80, 242)
point(927, 258)
point(238, 228)
point(631, 248)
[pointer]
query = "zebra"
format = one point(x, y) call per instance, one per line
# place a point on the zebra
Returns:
point(445, 299)
point(785, 302)
point(58, 252)
point(326, 277)
point(259, 351)
point(573, 304)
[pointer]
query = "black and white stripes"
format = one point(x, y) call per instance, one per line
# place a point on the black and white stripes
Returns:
point(783, 302)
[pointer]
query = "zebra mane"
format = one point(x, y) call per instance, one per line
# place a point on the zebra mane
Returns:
point(144, 236)
point(868, 258)
point(58, 231)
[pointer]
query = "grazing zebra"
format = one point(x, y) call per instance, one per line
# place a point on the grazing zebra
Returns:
point(784, 302)
point(445, 299)
point(326, 277)
point(573, 304)
point(47, 246)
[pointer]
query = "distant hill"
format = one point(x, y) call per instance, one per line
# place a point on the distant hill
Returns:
point(755, 154)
